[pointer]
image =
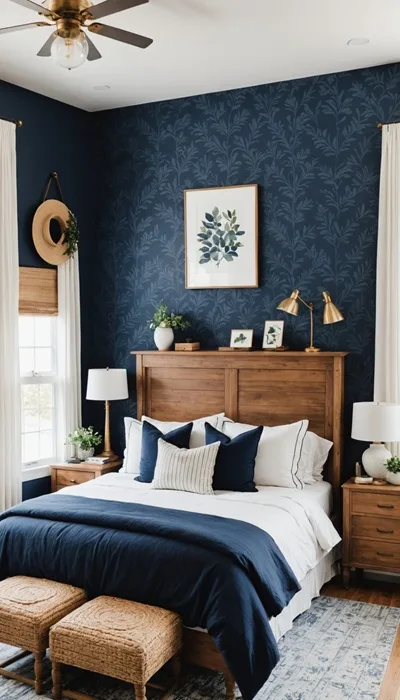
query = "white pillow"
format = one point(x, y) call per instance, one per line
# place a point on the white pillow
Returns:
point(179, 469)
point(133, 436)
point(279, 453)
point(313, 457)
point(133, 446)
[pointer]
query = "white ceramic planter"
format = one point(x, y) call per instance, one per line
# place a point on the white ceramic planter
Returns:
point(163, 338)
point(393, 478)
point(85, 454)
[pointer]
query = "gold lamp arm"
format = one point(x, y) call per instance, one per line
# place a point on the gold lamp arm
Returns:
point(310, 307)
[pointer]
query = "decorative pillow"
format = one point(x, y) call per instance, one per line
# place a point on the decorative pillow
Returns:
point(313, 457)
point(185, 470)
point(279, 453)
point(234, 468)
point(133, 436)
point(198, 436)
point(150, 437)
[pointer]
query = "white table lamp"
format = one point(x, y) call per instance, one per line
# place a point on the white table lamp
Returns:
point(376, 423)
point(107, 385)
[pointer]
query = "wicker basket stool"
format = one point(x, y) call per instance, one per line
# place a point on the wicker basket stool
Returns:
point(117, 638)
point(28, 608)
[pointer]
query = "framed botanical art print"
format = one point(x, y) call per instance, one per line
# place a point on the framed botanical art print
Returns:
point(273, 335)
point(242, 338)
point(221, 237)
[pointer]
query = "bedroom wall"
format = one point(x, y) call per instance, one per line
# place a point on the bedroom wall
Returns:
point(44, 145)
point(313, 147)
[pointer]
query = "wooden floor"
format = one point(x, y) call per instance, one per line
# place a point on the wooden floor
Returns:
point(381, 594)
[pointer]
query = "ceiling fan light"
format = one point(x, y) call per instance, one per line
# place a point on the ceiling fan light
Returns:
point(70, 53)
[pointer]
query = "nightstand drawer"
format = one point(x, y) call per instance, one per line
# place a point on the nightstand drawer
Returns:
point(69, 477)
point(375, 553)
point(378, 528)
point(383, 504)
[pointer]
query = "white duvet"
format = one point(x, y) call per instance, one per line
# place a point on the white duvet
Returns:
point(297, 523)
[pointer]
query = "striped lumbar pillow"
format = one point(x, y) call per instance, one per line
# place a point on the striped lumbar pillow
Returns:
point(179, 469)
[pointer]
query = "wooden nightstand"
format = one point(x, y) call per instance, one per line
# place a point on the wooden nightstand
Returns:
point(65, 474)
point(371, 528)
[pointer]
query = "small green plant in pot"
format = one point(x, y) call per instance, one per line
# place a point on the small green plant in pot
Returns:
point(163, 323)
point(85, 440)
point(393, 471)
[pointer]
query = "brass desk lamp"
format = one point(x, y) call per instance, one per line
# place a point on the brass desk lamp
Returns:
point(331, 313)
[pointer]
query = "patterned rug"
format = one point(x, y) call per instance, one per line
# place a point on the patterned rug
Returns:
point(337, 650)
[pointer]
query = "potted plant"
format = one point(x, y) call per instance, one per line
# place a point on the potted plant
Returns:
point(85, 440)
point(393, 471)
point(163, 323)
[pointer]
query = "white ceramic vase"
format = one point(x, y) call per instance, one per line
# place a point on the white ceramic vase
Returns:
point(393, 478)
point(374, 460)
point(85, 454)
point(163, 338)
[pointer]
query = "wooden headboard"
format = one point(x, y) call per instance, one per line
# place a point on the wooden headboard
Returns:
point(260, 388)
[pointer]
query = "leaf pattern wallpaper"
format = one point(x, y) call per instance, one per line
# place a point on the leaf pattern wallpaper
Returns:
point(312, 146)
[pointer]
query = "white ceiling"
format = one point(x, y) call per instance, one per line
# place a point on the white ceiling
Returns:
point(204, 46)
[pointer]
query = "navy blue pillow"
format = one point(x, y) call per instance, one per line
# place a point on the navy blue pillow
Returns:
point(234, 468)
point(180, 437)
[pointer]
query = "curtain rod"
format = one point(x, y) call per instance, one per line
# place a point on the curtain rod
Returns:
point(379, 126)
point(17, 122)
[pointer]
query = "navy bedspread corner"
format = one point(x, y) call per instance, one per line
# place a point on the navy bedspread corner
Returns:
point(224, 575)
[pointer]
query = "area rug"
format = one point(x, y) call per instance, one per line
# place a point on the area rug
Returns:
point(337, 650)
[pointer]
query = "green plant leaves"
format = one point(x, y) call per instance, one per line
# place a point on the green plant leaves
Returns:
point(218, 238)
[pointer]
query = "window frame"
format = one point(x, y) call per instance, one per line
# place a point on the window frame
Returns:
point(35, 378)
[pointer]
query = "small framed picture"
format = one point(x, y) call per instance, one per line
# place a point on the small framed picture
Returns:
point(273, 335)
point(241, 338)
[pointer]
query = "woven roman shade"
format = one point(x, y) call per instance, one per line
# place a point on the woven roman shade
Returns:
point(38, 291)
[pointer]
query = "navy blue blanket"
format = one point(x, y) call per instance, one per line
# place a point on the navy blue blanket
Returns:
point(224, 575)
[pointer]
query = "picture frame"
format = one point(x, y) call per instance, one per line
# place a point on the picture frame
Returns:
point(241, 338)
point(221, 237)
point(273, 335)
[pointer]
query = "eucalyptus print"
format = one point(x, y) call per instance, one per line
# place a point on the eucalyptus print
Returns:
point(218, 237)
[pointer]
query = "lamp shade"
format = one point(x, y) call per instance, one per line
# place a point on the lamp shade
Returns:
point(376, 422)
point(290, 304)
point(331, 312)
point(107, 385)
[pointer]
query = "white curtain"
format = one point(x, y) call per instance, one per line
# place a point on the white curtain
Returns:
point(69, 353)
point(10, 391)
point(387, 338)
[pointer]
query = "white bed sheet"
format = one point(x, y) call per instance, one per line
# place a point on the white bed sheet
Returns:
point(294, 518)
point(320, 492)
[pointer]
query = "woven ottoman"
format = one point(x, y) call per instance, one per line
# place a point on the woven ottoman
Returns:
point(28, 608)
point(116, 638)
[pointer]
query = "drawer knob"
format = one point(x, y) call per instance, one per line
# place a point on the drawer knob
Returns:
point(73, 481)
point(384, 532)
point(384, 554)
point(385, 505)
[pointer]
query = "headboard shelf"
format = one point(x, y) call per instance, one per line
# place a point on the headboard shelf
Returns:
point(257, 387)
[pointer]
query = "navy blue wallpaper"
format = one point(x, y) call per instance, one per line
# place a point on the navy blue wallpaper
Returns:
point(313, 147)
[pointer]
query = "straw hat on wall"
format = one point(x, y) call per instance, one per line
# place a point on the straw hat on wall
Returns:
point(53, 253)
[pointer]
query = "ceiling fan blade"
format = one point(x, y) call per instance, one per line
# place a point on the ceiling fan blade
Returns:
point(142, 42)
point(34, 6)
point(19, 27)
point(46, 48)
point(110, 7)
point(94, 53)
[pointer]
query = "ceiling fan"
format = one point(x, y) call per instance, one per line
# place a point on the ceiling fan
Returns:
point(68, 44)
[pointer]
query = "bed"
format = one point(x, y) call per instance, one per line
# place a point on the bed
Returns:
point(253, 388)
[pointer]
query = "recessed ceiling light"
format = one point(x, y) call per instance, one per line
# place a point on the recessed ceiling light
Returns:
point(101, 87)
point(358, 41)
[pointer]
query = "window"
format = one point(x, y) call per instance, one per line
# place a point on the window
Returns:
point(38, 368)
